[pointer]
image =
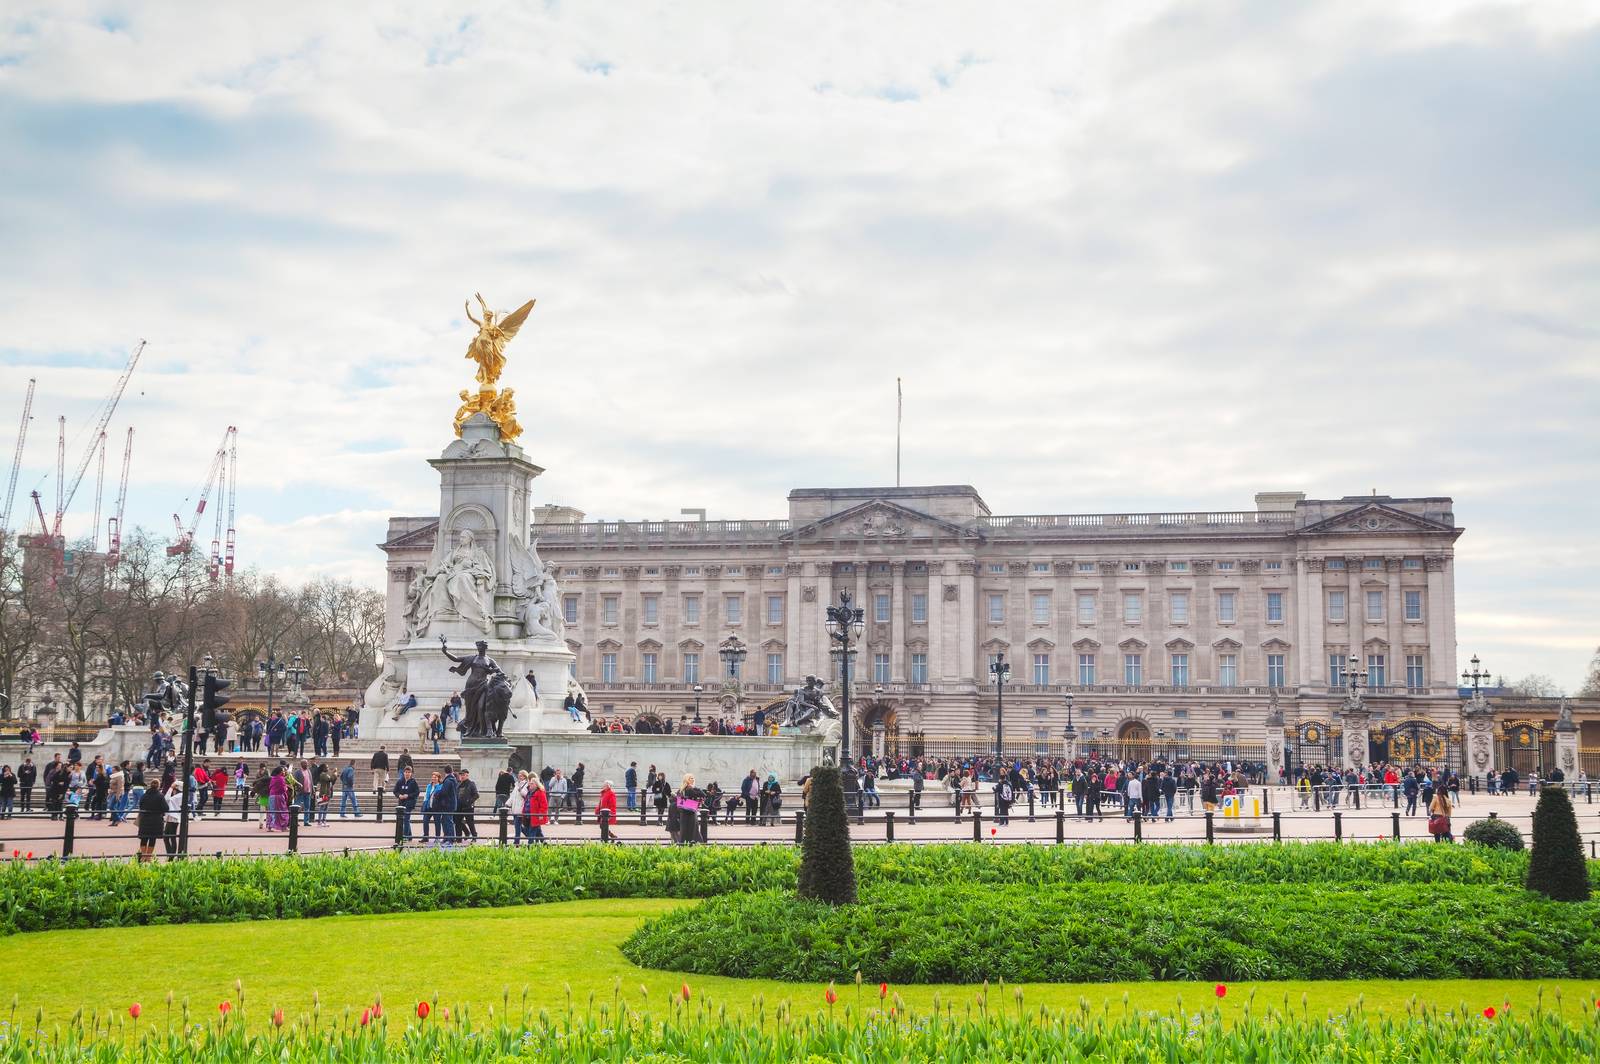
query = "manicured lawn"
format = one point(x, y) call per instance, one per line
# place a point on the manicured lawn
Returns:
point(477, 957)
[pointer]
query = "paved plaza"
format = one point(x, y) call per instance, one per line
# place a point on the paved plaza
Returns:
point(228, 834)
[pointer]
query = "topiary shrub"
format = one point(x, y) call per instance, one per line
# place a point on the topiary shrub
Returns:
point(1556, 867)
point(1496, 834)
point(827, 867)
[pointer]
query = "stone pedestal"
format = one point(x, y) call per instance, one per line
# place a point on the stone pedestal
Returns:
point(1479, 719)
point(1355, 724)
point(1567, 744)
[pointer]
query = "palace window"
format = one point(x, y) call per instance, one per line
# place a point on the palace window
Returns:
point(997, 609)
point(1132, 669)
point(1041, 567)
point(1086, 669)
point(880, 608)
point(691, 609)
point(1180, 714)
point(733, 570)
point(919, 608)
point(880, 668)
point(1372, 563)
point(1413, 605)
point(569, 572)
point(1041, 668)
point(1179, 607)
point(653, 571)
point(612, 572)
point(1335, 563)
point(1085, 608)
point(1414, 672)
point(652, 609)
point(1336, 606)
point(608, 609)
point(691, 570)
point(1374, 605)
point(1335, 670)
point(1226, 614)
point(775, 668)
point(919, 668)
point(569, 609)
point(1041, 607)
point(608, 668)
point(1274, 607)
point(1132, 607)
point(1180, 670)
point(997, 567)
point(1178, 567)
point(1272, 566)
point(774, 570)
point(1086, 567)
point(691, 667)
point(1375, 671)
point(1228, 670)
point(1274, 670)
point(648, 668)
point(774, 609)
point(1224, 567)
point(1411, 563)
point(733, 608)
point(1130, 567)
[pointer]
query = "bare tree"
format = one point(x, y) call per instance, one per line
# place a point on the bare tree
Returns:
point(20, 625)
point(341, 632)
point(1591, 683)
point(1535, 685)
point(75, 627)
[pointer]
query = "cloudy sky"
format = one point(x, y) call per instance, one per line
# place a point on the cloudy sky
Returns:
point(1127, 256)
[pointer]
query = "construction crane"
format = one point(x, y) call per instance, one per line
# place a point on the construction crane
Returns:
point(114, 525)
point(214, 475)
point(99, 493)
point(233, 489)
point(65, 492)
point(16, 459)
point(225, 486)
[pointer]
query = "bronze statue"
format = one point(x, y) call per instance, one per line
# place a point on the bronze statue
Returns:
point(478, 669)
point(488, 348)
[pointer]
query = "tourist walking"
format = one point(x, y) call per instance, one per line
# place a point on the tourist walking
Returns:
point(405, 800)
point(1439, 812)
point(605, 811)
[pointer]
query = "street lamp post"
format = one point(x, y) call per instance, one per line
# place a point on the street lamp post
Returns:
point(271, 671)
point(297, 678)
point(1475, 676)
point(1069, 734)
point(697, 690)
point(733, 653)
point(845, 623)
point(1001, 671)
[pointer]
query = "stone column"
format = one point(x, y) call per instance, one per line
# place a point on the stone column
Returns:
point(794, 639)
point(1312, 652)
point(816, 616)
point(1567, 744)
point(897, 630)
point(1439, 609)
point(968, 649)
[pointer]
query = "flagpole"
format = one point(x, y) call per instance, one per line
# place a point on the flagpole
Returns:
point(899, 408)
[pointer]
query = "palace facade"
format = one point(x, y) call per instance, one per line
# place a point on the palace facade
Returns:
point(1173, 632)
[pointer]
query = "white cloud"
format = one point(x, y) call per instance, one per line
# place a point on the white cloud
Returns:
point(1126, 256)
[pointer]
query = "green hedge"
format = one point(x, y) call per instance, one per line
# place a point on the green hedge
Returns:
point(1109, 932)
point(48, 895)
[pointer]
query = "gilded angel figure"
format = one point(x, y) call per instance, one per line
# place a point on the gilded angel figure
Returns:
point(488, 348)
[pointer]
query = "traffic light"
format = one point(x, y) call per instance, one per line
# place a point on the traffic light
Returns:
point(213, 699)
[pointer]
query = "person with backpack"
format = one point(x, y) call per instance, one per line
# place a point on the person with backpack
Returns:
point(1003, 797)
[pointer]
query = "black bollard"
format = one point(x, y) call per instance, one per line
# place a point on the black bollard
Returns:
point(1338, 825)
point(1138, 825)
point(605, 825)
point(294, 831)
point(888, 825)
point(1394, 823)
point(244, 806)
point(1061, 825)
point(977, 824)
point(70, 830)
point(911, 807)
point(1277, 827)
point(505, 822)
point(705, 825)
point(399, 835)
point(1211, 826)
point(378, 791)
point(799, 826)
point(1030, 805)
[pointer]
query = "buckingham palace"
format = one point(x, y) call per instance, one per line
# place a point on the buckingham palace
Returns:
point(1173, 632)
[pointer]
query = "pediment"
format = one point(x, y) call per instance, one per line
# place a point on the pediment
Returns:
point(609, 644)
point(1131, 643)
point(1373, 517)
point(690, 645)
point(773, 644)
point(1179, 644)
point(417, 537)
point(649, 644)
point(1086, 644)
point(879, 519)
point(1274, 645)
point(574, 646)
point(1041, 644)
point(1227, 644)
point(994, 645)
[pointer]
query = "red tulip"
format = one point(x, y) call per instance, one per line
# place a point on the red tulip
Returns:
point(1488, 1013)
point(225, 1007)
point(829, 996)
point(685, 991)
point(1222, 990)
point(30, 855)
point(135, 1009)
point(883, 991)
point(444, 1011)
point(993, 830)
point(277, 1017)
point(377, 1010)
point(423, 1010)
point(366, 1017)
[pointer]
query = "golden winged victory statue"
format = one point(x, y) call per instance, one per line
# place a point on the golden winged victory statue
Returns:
point(488, 350)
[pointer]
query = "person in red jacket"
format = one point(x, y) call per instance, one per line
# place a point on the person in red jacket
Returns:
point(605, 811)
point(219, 787)
point(536, 809)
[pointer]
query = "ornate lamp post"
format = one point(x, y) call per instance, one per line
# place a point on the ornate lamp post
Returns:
point(1476, 676)
point(1001, 671)
point(271, 671)
point(297, 678)
point(697, 691)
point(845, 623)
point(733, 652)
point(1069, 734)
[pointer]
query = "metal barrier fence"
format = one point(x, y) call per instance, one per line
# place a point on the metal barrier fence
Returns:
point(1262, 814)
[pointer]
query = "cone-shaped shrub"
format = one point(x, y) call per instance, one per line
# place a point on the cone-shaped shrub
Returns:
point(1556, 867)
point(827, 868)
